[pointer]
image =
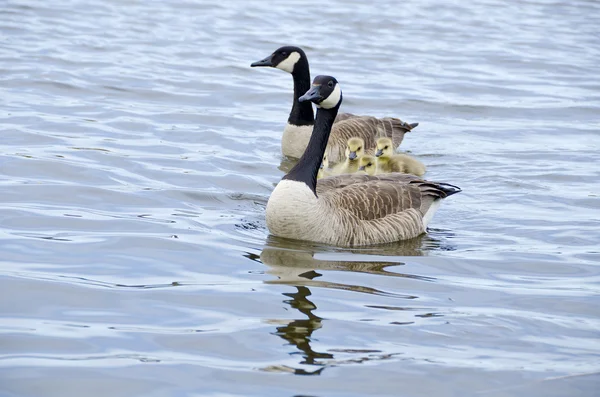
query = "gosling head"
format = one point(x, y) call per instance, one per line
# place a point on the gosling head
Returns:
point(385, 147)
point(355, 149)
point(367, 164)
point(287, 58)
point(325, 162)
point(325, 93)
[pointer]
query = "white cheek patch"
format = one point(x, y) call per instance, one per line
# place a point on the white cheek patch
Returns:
point(333, 99)
point(288, 63)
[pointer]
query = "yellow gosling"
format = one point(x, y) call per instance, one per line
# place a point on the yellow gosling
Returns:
point(367, 164)
point(324, 170)
point(388, 161)
point(355, 149)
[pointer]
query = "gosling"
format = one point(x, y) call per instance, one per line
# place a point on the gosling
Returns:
point(324, 170)
point(355, 149)
point(387, 161)
point(367, 164)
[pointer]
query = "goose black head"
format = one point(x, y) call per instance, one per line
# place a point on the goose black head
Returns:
point(285, 58)
point(325, 93)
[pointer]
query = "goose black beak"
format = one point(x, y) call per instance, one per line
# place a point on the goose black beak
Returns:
point(268, 61)
point(352, 156)
point(379, 152)
point(311, 95)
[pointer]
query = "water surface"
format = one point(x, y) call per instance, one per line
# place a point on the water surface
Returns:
point(139, 149)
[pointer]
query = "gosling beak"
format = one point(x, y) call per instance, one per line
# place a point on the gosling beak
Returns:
point(361, 168)
point(321, 166)
point(379, 152)
point(314, 95)
point(268, 61)
point(352, 156)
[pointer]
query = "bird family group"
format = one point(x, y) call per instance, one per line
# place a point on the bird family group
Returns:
point(350, 186)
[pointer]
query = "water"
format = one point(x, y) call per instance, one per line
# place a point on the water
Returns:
point(138, 150)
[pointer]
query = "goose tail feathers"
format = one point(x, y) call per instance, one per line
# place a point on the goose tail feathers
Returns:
point(448, 189)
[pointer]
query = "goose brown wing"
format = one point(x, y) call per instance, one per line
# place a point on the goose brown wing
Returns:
point(374, 200)
point(344, 116)
point(395, 129)
point(341, 181)
point(369, 129)
point(373, 197)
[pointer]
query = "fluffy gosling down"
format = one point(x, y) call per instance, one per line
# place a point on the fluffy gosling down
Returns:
point(355, 149)
point(350, 209)
point(367, 164)
point(389, 161)
point(301, 120)
point(324, 168)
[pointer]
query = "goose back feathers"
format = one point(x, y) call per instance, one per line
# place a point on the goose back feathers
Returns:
point(368, 129)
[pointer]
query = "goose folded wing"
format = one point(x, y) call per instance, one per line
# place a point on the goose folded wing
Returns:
point(364, 127)
point(344, 116)
point(375, 199)
point(369, 129)
point(341, 181)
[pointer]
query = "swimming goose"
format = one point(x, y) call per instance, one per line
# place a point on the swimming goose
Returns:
point(350, 209)
point(367, 164)
point(387, 161)
point(355, 149)
point(301, 120)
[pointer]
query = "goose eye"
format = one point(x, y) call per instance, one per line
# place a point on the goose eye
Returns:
point(283, 53)
point(330, 84)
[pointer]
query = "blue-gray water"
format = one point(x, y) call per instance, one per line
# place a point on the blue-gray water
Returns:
point(138, 149)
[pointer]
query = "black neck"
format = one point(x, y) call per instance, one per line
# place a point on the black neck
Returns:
point(308, 166)
point(302, 112)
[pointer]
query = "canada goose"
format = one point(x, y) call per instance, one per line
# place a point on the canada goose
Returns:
point(387, 161)
point(355, 149)
point(349, 209)
point(301, 120)
point(368, 164)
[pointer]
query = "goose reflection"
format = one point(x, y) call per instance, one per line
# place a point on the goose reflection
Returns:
point(286, 164)
point(299, 268)
point(299, 332)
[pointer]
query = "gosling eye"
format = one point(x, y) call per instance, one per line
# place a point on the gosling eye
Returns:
point(386, 147)
point(370, 164)
point(330, 84)
point(358, 149)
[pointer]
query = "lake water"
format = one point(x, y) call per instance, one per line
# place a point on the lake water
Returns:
point(138, 150)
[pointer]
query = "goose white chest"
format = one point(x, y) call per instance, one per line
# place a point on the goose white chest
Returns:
point(295, 139)
point(292, 210)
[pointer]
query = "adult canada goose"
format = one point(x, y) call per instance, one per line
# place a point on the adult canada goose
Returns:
point(355, 149)
point(368, 164)
point(301, 120)
point(349, 209)
point(387, 161)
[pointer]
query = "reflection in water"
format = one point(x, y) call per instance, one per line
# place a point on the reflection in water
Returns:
point(286, 164)
point(299, 268)
point(436, 240)
point(299, 332)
